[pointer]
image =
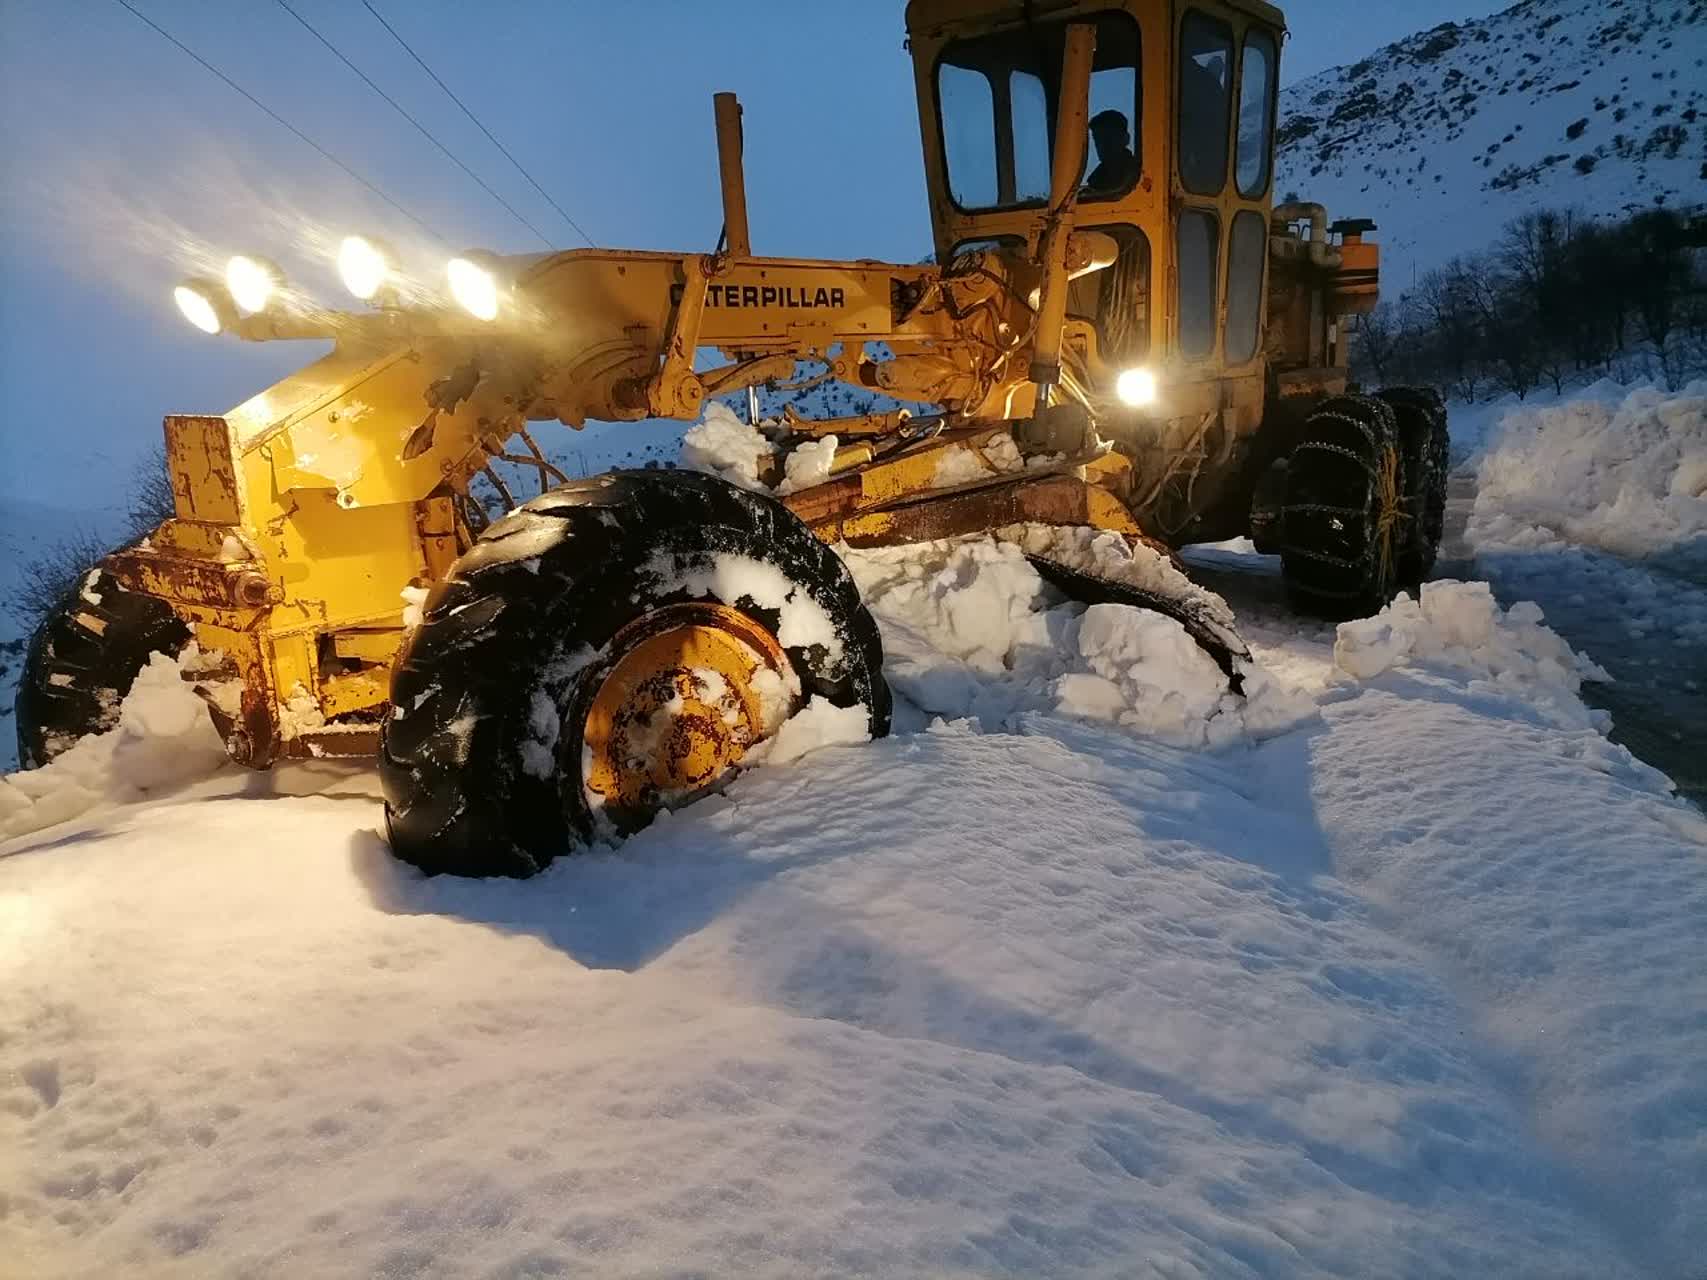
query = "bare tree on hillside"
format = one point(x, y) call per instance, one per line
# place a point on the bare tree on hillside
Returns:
point(1446, 300)
point(151, 498)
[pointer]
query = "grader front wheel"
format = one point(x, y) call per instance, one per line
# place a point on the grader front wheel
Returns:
point(613, 648)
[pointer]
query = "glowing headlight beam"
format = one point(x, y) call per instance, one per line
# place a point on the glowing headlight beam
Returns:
point(474, 288)
point(1136, 388)
point(251, 282)
point(200, 301)
point(364, 266)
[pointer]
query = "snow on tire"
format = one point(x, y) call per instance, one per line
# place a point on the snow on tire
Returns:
point(514, 734)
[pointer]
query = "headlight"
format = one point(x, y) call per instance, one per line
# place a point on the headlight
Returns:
point(1136, 388)
point(474, 288)
point(252, 282)
point(204, 305)
point(364, 266)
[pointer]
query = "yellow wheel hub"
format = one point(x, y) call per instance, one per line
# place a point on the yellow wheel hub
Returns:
point(694, 686)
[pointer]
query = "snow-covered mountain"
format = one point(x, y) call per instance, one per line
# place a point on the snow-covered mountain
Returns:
point(1443, 137)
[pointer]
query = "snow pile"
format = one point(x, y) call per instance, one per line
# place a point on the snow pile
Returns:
point(1459, 627)
point(971, 630)
point(164, 737)
point(1623, 472)
point(1146, 673)
point(808, 464)
point(820, 723)
point(721, 444)
point(995, 455)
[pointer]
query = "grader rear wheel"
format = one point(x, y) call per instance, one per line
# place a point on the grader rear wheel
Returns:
point(1344, 518)
point(1424, 448)
point(612, 648)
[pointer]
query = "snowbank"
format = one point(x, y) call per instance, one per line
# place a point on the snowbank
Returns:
point(971, 630)
point(1625, 472)
point(1459, 627)
point(164, 738)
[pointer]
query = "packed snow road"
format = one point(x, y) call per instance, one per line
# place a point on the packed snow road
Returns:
point(1401, 977)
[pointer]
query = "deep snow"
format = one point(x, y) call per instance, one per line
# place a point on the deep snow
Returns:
point(1410, 988)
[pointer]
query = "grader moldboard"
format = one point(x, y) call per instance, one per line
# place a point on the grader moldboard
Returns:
point(1157, 339)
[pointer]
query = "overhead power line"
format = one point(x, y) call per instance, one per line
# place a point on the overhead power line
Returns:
point(420, 128)
point(380, 18)
point(182, 47)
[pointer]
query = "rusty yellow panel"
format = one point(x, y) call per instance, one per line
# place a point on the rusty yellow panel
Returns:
point(239, 645)
point(201, 461)
point(1113, 468)
point(372, 645)
point(915, 472)
point(435, 519)
point(355, 691)
point(293, 666)
point(190, 580)
point(353, 415)
point(908, 474)
point(341, 567)
point(868, 528)
point(191, 539)
point(1105, 511)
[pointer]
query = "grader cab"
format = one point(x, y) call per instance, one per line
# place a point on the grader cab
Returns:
point(1121, 330)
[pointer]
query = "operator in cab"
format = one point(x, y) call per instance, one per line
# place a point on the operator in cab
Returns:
point(1117, 167)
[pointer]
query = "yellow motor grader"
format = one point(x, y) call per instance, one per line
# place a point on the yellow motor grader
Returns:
point(1138, 340)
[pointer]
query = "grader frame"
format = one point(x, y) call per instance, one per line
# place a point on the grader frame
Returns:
point(303, 513)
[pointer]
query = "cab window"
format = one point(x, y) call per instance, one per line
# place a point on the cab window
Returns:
point(1205, 102)
point(997, 98)
point(1198, 246)
point(1117, 299)
point(1247, 253)
point(1256, 114)
point(969, 142)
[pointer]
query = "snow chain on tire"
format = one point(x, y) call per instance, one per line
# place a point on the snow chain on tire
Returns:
point(83, 659)
point(1343, 521)
point(1424, 454)
point(481, 758)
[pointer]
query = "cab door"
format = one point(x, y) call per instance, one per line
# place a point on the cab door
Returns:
point(1224, 102)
